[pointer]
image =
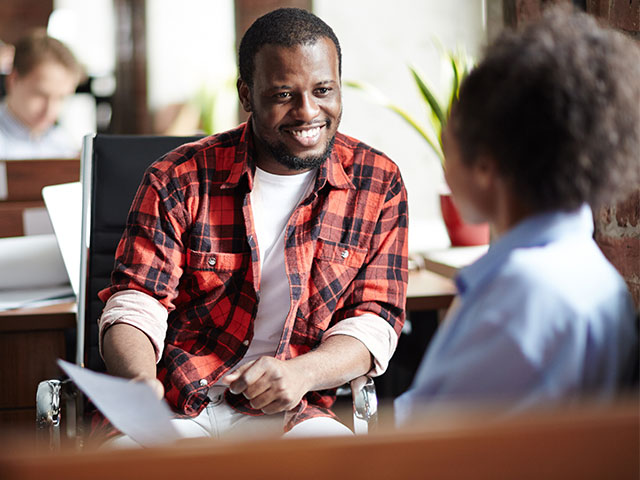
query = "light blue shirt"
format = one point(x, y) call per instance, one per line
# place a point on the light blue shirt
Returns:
point(543, 317)
point(17, 143)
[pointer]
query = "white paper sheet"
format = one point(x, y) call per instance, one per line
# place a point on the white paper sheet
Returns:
point(132, 407)
point(31, 262)
point(35, 297)
point(457, 257)
point(4, 187)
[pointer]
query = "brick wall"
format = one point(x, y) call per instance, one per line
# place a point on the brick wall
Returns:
point(620, 14)
point(618, 235)
point(618, 226)
point(516, 12)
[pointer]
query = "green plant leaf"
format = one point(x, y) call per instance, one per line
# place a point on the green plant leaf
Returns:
point(439, 112)
point(430, 98)
point(456, 84)
point(434, 144)
point(379, 98)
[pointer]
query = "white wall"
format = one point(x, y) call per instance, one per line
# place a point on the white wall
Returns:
point(191, 45)
point(379, 39)
point(88, 27)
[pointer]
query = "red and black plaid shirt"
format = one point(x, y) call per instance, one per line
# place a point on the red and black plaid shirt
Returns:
point(190, 243)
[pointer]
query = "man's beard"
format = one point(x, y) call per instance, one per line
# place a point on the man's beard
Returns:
point(283, 156)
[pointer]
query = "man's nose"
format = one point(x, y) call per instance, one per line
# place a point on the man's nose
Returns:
point(307, 108)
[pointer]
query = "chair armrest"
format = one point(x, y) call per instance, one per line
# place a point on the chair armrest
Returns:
point(365, 405)
point(48, 414)
point(50, 397)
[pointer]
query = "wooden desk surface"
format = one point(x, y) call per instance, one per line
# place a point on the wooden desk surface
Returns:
point(429, 291)
point(448, 261)
point(24, 179)
point(50, 317)
point(592, 443)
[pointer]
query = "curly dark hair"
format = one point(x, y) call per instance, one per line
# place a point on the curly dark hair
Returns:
point(286, 27)
point(557, 106)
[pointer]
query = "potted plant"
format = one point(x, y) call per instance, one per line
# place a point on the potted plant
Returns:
point(438, 111)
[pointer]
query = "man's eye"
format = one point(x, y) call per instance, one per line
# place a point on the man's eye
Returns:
point(283, 95)
point(322, 90)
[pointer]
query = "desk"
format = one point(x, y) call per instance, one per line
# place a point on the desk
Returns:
point(427, 290)
point(31, 339)
point(448, 261)
point(21, 183)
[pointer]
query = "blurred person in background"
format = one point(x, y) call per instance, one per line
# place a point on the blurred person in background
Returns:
point(45, 72)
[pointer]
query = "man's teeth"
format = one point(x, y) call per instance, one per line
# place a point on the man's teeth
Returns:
point(312, 132)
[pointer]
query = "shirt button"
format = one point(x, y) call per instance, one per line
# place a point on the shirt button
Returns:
point(203, 382)
point(212, 261)
point(344, 254)
point(246, 343)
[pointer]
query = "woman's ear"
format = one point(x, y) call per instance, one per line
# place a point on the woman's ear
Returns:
point(244, 94)
point(10, 80)
point(485, 171)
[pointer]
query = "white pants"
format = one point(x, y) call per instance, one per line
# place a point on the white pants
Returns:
point(219, 420)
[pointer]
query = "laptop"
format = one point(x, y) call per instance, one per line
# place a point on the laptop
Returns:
point(64, 206)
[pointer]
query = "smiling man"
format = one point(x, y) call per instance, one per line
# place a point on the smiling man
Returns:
point(44, 74)
point(264, 266)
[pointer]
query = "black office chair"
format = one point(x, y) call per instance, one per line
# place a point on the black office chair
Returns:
point(112, 167)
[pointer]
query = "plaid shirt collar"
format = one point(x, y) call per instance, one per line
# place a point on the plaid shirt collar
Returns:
point(331, 170)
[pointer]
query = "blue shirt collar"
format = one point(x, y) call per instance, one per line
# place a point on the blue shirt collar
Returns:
point(535, 231)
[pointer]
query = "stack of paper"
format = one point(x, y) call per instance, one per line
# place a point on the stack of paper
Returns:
point(32, 271)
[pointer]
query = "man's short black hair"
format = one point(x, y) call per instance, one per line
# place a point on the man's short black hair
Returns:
point(557, 106)
point(285, 27)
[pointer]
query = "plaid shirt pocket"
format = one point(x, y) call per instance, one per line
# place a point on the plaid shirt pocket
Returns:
point(334, 267)
point(212, 278)
point(211, 270)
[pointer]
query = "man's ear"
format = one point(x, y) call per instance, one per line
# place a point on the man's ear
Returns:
point(244, 93)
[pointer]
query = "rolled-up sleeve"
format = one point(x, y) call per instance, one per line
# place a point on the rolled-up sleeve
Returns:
point(375, 333)
point(138, 310)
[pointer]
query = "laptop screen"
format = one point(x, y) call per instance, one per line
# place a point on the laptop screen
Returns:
point(64, 205)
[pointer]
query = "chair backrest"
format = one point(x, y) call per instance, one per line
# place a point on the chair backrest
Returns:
point(112, 168)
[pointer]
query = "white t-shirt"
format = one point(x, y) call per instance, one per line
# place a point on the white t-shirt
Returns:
point(273, 200)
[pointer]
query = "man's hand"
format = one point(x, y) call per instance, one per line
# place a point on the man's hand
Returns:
point(271, 385)
point(154, 383)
